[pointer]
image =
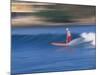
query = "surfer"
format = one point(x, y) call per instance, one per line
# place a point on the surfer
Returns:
point(68, 39)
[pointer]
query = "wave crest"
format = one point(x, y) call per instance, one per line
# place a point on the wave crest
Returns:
point(89, 37)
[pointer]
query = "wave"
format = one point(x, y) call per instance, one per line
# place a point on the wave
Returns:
point(46, 39)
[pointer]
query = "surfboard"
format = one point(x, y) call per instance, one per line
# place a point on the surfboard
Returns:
point(59, 44)
point(74, 42)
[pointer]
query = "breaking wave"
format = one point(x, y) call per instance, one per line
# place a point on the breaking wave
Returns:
point(89, 37)
point(85, 40)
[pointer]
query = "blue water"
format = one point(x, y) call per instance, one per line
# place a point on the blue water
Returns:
point(32, 51)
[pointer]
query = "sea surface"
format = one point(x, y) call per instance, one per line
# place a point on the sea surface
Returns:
point(32, 51)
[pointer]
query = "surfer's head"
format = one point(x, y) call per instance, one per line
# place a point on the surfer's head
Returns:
point(67, 29)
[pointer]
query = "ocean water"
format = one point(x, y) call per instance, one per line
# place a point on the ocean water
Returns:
point(32, 51)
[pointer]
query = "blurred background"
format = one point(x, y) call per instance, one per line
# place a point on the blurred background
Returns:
point(26, 13)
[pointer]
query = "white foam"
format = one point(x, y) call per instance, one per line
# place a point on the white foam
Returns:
point(85, 38)
point(89, 37)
